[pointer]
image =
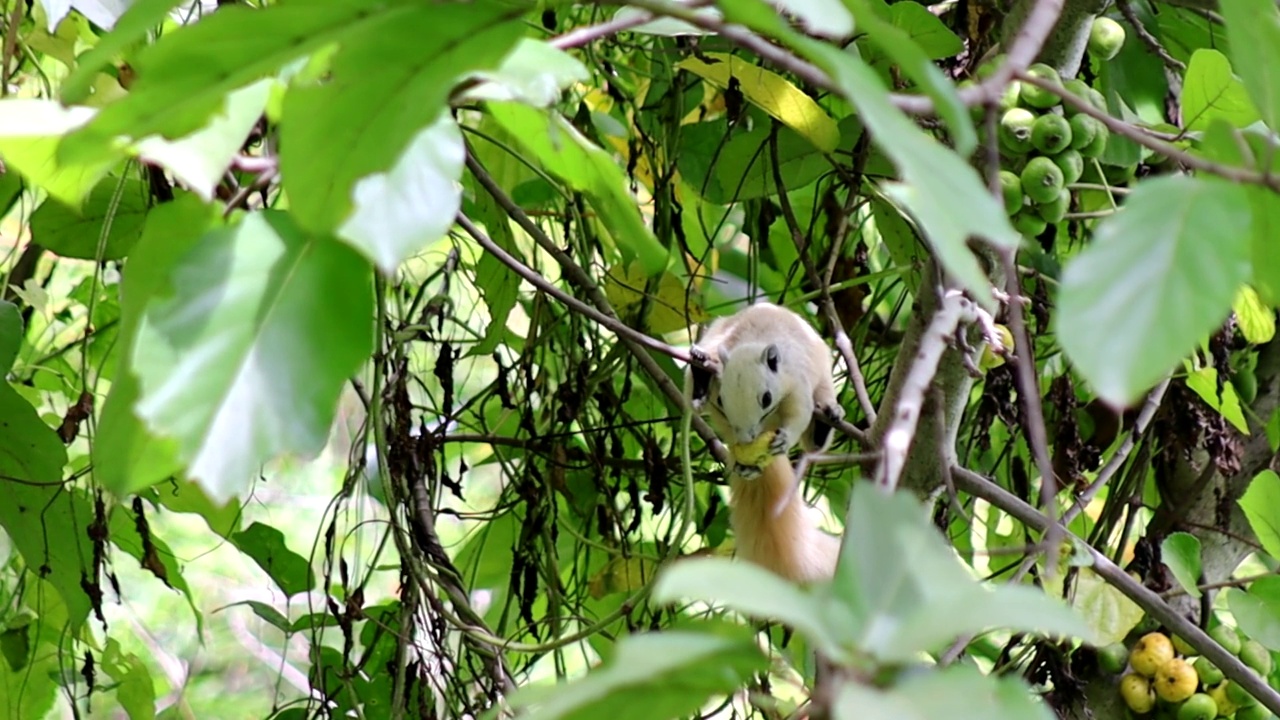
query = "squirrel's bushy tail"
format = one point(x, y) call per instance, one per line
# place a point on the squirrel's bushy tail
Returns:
point(775, 529)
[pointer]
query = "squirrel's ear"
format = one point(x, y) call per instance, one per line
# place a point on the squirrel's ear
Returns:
point(770, 357)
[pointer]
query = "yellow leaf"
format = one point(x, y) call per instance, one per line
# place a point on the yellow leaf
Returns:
point(625, 289)
point(771, 93)
point(1204, 382)
point(1257, 321)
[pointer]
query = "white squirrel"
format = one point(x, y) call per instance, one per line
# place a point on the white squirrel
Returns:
point(765, 369)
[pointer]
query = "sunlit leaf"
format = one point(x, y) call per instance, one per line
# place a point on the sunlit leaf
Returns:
point(245, 358)
point(133, 685)
point(534, 73)
point(771, 93)
point(1110, 613)
point(370, 119)
point(1261, 505)
point(1156, 277)
point(1256, 321)
point(930, 695)
point(1211, 91)
point(1204, 382)
point(30, 131)
point(413, 204)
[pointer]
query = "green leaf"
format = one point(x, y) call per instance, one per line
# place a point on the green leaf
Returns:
point(1110, 613)
point(30, 132)
point(1253, 29)
point(15, 646)
point(30, 691)
point(941, 190)
point(1180, 551)
point(120, 204)
point(1257, 612)
point(1158, 276)
point(45, 524)
point(770, 92)
point(902, 590)
point(1261, 505)
point(414, 203)
point(726, 167)
point(825, 18)
point(245, 359)
point(127, 457)
point(1210, 91)
point(654, 676)
point(133, 26)
point(188, 497)
point(266, 545)
point(201, 159)
point(1257, 321)
point(11, 333)
point(748, 589)
point(565, 153)
point(389, 82)
point(534, 73)
point(955, 692)
point(180, 82)
point(497, 284)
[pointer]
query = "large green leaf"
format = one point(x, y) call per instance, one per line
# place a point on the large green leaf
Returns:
point(1261, 505)
point(899, 590)
point(118, 205)
point(565, 153)
point(46, 524)
point(654, 676)
point(1253, 29)
point(1109, 612)
point(181, 81)
point(1158, 276)
point(414, 203)
point(750, 590)
point(134, 687)
point(941, 190)
point(534, 73)
point(1257, 612)
point(126, 455)
point(245, 359)
point(30, 131)
point(389, 82)
point(956, 692)
point(1210, 91)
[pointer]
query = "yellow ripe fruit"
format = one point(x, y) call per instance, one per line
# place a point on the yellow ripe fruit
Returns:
point(1219, 695)
point(1150, 652)
point(1137, 693)
point(1176, 681)
point(755, 453)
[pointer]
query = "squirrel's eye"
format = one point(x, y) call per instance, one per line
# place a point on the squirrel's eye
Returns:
point(766, 400)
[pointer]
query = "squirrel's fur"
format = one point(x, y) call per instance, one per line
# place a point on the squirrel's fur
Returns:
point(766, 369)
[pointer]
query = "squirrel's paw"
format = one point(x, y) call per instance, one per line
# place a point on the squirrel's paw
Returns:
point(780, 443)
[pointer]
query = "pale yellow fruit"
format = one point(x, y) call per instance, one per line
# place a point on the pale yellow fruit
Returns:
point(1176, 681)
point(1218, 692)
point(755, 453)
point(1150, 652)
point(1137, 693)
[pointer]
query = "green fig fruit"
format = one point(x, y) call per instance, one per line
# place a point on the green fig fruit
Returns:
point(1041, 181)
point(1106, 37)
point(1051, 134)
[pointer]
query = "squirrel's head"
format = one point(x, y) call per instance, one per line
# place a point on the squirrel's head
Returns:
point(751, 387)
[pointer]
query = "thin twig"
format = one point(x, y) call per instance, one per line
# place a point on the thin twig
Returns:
point(576, 275)
point(1145, 139)
point(1174, 65)
point(1154, 398)
point(590, 33)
